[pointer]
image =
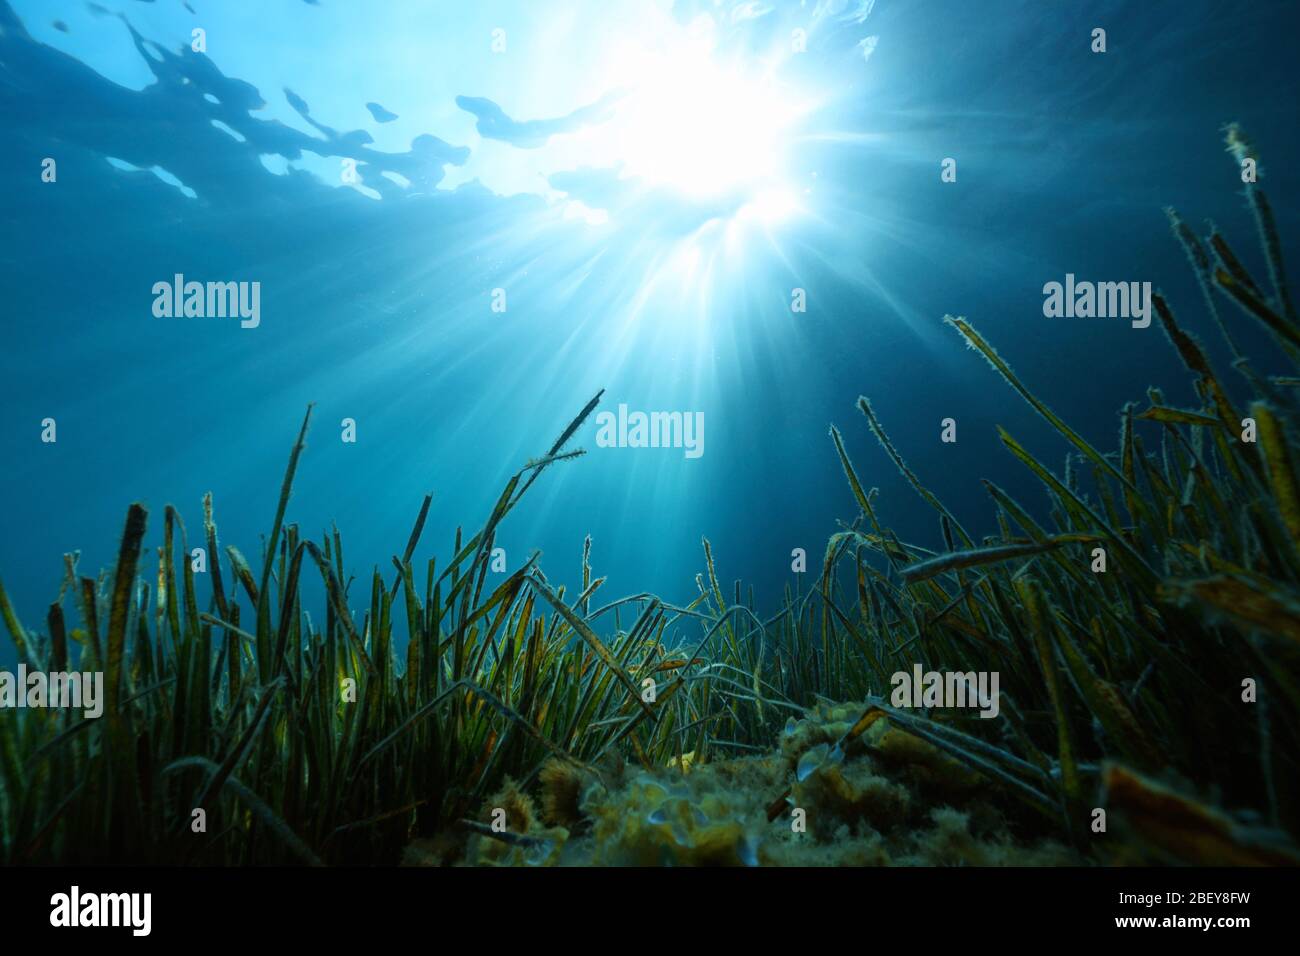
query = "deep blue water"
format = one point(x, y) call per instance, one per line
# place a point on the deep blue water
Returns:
point(669, 286)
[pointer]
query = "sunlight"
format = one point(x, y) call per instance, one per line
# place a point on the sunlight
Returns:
point(700, 126)
point(772, 205)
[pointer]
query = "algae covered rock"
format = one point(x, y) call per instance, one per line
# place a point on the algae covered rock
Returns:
point(654, 822)
point(836, 790)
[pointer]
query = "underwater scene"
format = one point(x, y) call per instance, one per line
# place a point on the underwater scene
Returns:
point(652, 433)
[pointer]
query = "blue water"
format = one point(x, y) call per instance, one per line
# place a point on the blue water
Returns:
point(657, 262)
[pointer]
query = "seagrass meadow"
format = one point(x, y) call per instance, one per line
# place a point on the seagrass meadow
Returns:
point(1149, 712)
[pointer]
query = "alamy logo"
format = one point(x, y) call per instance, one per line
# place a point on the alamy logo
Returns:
point(1100, 300)
point(211, 300)
point(951, 689)
point(59, 689)
point(102, 909)
point(651, 430)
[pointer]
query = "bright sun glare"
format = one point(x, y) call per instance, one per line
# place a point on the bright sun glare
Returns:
point(701, 126)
